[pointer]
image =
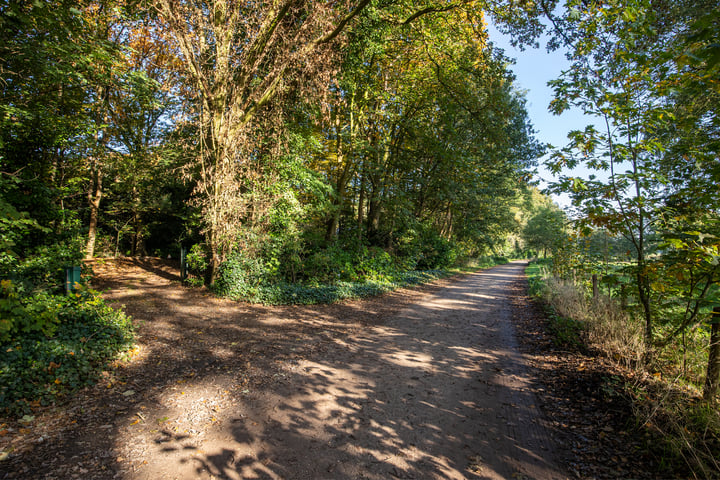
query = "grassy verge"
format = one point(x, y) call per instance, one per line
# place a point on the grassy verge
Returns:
point(309, 293)
point(664, 393)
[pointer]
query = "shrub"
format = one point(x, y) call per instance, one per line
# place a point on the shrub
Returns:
point(43, 268)
point(197, 261)
point(330, 265)
point(376, 264)
point(23, 314)
point(39, 366)
point(240, 277)
point(430, 251)
point(600, 322)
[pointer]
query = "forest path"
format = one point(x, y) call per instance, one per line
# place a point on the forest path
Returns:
point(424, 383)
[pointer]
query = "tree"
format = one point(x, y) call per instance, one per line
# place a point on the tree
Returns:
point(239, 61)
point(426, 133)
point(140, 111)
point(545, 230)
point(648, 71)
point(53, 67)
point(237, 57)
point(614, 77)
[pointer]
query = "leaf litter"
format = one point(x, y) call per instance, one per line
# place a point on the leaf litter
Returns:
point(262, 347)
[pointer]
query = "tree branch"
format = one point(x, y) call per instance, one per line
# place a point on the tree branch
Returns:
point(427, 10)
point(341, 26)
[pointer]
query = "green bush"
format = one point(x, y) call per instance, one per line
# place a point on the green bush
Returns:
point(42, 365)
point(330, 265)
point(376, 264)
point(43, 268)
point(27, 314)
point(51, 343)
point(432, 251)
point(240, 277)
point(197, 261)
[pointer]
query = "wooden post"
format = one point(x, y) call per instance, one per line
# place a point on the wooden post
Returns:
point(712, 379)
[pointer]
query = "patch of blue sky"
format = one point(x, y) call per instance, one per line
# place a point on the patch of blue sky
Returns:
point(533, 69)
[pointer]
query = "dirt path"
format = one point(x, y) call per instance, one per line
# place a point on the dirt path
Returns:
point(417, 384)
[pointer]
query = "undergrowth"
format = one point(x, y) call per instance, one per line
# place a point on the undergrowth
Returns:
point(242, 278)
point(289, 293)
point(41, 366)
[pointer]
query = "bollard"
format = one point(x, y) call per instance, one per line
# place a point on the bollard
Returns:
point(72, 277)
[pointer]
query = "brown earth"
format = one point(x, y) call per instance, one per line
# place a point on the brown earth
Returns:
point(420, 383)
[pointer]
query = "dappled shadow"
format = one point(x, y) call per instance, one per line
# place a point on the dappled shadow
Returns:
point(438, 391)
point(356, 390)
point(121, 272)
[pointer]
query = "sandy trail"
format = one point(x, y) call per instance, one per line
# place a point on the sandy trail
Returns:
point(436, 389)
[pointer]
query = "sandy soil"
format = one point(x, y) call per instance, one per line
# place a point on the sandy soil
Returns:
point(426, 383)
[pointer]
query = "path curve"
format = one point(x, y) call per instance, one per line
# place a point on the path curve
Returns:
point(435, 390)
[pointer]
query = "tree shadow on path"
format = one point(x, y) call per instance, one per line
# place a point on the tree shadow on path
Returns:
point(436, 391)
point(360, 389)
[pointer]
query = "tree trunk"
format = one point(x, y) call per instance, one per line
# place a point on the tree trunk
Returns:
point(94, 197)
point(644, 297)
point(447, 223)
point(137, 228)
point(361, 206)
point(377, 195)
point(712, 379)
point(214, 260)
point(373, 217)
point(331, 233)
point(595, 290)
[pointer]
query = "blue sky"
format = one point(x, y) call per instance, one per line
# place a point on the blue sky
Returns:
point(533, 69)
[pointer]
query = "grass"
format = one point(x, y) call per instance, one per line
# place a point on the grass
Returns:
point(666, 397)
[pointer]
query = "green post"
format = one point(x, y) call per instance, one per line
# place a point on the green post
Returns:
point(72, 277)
